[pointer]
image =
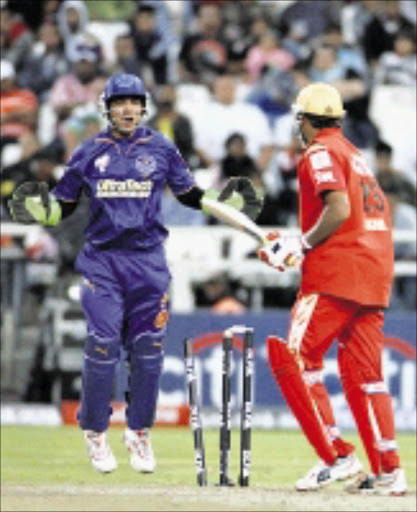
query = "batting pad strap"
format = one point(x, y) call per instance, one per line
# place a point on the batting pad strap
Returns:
point(313, 377)
point(303, 312)
point(387, 445)
point(375, 388)
point(332, 432)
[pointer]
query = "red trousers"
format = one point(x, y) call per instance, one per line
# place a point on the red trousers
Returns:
point(317, 320)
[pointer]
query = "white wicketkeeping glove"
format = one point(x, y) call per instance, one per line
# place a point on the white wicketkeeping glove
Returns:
point(283, 251)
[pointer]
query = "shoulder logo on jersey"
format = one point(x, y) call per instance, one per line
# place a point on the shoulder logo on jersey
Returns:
point(145, 165)
point(102, 162)
point(324, 177)
point(320, 160)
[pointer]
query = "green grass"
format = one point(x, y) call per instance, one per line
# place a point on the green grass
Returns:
point(57, 455)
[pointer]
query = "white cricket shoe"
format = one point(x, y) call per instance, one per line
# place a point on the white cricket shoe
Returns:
point(99, 451)
point(386, 484)
point(322, 474)
point(141, 454)
point(391, 484)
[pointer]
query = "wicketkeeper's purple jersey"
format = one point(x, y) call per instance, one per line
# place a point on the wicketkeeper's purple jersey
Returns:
point(125, 179)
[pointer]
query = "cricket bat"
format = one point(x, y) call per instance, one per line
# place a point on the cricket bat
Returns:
point(234, 218)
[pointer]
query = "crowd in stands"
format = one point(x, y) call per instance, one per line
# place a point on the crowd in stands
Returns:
point(221, 77)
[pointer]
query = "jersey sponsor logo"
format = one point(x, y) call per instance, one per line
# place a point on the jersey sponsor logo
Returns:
point(102, 162)
point(320, 160)
point(145, 165)
point(124, 188)
point(324, 177)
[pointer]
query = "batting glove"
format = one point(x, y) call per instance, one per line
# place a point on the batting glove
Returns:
point(283, 251)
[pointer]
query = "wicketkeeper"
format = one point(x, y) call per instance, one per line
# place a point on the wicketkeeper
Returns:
point(125, 292)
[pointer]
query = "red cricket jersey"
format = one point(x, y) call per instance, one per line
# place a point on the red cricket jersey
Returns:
point(357, 261)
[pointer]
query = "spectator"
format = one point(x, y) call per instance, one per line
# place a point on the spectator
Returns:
point(267, 54)
point(311, 18)
point(15, 36)
point(204, 54)
point(295, 40)
point(238, 18)
point(325, 64)
point(403, 217)
point(384, 21)
point(237, 162)
point(18, 107)
point(45, 63)
point(126, 59)
point(150, 46)
point(225, 115)
point(348, 56)
point(275, 90)
point(355, 92)
point(283, 91)
point(34, 13)
point(176, 126)
point(164, 26)
point(72, 19)
point(84, 123)
point(280, 204)
point(398, 67)
point(390, 178)
point(50, 11)
point(83, 84)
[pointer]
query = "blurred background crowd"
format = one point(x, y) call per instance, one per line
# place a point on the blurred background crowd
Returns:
point(221, 77)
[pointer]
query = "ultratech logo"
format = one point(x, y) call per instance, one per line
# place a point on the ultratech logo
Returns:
point(124, 189)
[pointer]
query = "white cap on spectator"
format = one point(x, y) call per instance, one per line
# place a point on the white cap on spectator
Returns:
point(7, 70)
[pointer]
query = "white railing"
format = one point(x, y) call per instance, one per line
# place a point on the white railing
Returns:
point(197, 253)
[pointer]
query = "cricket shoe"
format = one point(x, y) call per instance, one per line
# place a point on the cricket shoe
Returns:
point(322, 474)
point(99, 451)
point(141, 454)
point(386, 484)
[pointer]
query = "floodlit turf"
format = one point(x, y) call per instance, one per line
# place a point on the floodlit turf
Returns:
point(56, 456)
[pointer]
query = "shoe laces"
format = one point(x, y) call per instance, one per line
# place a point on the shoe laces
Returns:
point(142, 443)
point(97, 444)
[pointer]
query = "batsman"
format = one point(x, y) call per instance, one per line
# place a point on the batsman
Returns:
point(347, 256)
point(125, 287)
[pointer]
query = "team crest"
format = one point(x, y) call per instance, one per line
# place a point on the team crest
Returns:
point(145, 165)
point(102, 162)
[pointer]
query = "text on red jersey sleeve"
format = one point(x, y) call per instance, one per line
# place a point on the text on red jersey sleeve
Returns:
point(324, 171)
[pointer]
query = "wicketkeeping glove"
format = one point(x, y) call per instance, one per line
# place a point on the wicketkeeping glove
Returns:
point(241, 195)
point(31, 203)
point(283, 251)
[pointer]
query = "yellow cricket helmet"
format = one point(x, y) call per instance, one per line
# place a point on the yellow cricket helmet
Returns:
point(319, 99)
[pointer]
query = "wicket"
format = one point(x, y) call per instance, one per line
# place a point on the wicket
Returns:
point(225, 417)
